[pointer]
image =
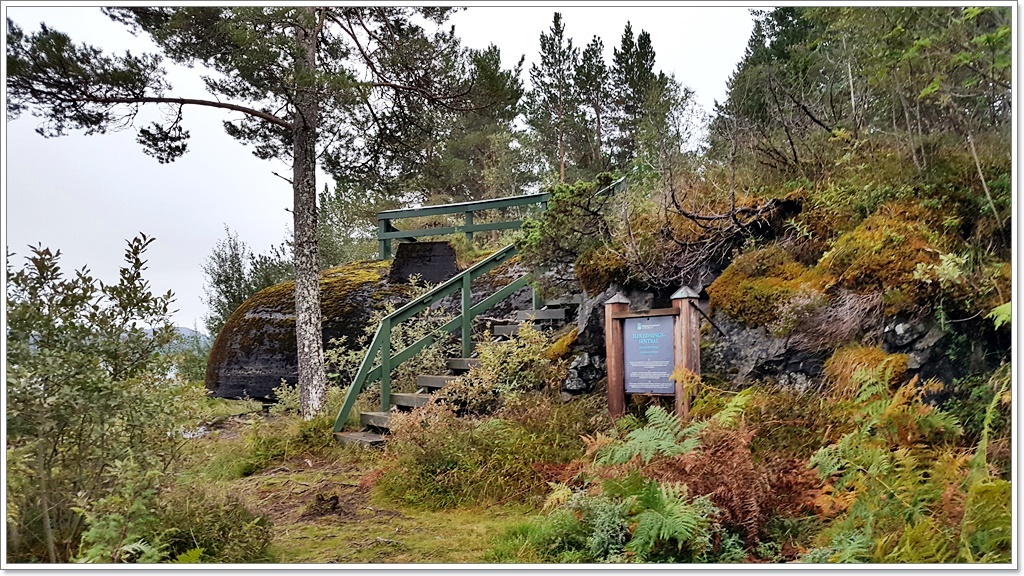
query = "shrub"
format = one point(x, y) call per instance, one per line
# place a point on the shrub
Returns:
point(437, 460)
point(86, 387)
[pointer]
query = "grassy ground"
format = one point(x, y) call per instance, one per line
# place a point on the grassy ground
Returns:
point(322, 508)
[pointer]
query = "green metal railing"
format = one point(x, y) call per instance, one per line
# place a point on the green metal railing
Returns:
point(386, 232)
point(381, 343)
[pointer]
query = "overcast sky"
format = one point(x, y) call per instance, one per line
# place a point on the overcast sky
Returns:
point(86, 195)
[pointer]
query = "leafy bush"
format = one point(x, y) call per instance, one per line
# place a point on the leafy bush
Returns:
point(507, 369)
point(86, 387)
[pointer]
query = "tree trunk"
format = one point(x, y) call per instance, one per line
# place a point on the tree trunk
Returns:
point(308, 335)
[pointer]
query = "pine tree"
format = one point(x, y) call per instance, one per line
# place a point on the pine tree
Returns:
point(339, 86)
point(592, 85)
point(552, 104)
point(633, 78)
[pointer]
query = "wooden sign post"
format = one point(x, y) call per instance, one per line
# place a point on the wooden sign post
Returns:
point(645, 350)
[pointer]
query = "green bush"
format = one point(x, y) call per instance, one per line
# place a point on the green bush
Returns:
point(87, 386)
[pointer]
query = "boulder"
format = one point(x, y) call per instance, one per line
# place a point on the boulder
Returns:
point(256, 348)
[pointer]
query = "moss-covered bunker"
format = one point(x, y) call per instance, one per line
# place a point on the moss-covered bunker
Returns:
point(256, 348)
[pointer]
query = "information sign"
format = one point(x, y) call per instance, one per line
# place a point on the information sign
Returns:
point(649, 356)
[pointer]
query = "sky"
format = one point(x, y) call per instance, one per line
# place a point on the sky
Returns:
point(86, 195)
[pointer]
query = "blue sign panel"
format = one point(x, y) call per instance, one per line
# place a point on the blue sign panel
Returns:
point(649, 356)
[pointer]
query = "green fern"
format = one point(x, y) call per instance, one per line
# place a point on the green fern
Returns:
point(1002, 314)
point(663, 435)
point(986, 533)
point(920, 543)
point(193, 556)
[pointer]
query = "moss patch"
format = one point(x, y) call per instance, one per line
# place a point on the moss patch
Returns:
point(758, 284)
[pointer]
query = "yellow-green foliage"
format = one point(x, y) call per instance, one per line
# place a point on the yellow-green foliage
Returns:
point(596, 269)
point(562, 346)
point(883, 254)
point(757, 284)
point(848, 360)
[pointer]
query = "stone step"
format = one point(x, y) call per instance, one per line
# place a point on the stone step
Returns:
point(548, 314)
point(409, 400)
point(462, 363)
point(425, 381)
point(375, 419)
point(506, 330)
point(368, 439)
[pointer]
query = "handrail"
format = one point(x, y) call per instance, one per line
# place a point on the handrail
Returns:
point(386, 232)
point(381, 341)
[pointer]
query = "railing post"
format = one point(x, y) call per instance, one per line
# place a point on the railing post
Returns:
point(385, 366)
point(384, 248)
point(469, 222)
point(467, 316)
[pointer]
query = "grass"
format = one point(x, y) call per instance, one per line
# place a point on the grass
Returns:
point(321, 504)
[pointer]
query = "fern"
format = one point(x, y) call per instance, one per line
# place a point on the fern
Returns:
point(1002, 314)
point(920, 543)
point(729, 415)
point(986, 533)
point(193, 556)
point(662, 436)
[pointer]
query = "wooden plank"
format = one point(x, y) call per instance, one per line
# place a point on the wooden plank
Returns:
point(549, 314)
point(368, 439)
point(444, 231)
point(405, 400)
point(425, 381)
point(375, 419)
point(646, 313)
point(462, 363)
point(459, 207)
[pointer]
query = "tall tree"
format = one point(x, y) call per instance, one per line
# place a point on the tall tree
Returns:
point(633, 77)
point(592, 85)
point(308, 81)
point(552, 103)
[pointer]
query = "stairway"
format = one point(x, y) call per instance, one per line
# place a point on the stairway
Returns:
point(376, 425)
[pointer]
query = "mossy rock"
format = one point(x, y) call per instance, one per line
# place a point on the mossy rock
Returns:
point(256, 348)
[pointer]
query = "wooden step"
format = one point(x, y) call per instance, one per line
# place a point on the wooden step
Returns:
point(548, 314)
point(375, 419)
point(506, 330)
point(462, 363)
point(424, 381)
point(409, 400)
point(574, 300)
point(368, 439)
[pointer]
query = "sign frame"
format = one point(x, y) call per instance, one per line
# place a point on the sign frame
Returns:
point(685, 354)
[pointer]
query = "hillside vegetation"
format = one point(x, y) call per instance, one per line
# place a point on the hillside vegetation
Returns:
point(860, 169)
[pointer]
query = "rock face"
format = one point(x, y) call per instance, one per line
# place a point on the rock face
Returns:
point(256, 348)
point(743, 354)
